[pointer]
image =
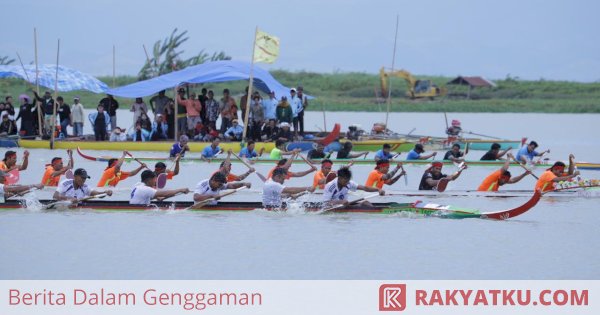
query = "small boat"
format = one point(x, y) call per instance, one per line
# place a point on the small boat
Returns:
point(418, 207)
point(498, 164)
point(431, 143)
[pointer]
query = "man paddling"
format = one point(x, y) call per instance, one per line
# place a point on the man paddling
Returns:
point(212, 150)
point(161, 167)
point(75, 189)
point(9, 162)
point(527, 152)
point(249, 152)
point(417, 153)
point(501, 177)
point(113, 174)
point(325, 173)
point(380, 175)
point(286, 164)
point(315, 155)
point(56, 169)
point(274, 190)
point(494, 153)
point(225, 169)
point(180, 147)
point(433, 175)
point(555, 174)
point(336, 192)
point(279, 150)
point(144, 192)
point(13, 189)
point(385, 153)
point(454, 154)
point(211, 188)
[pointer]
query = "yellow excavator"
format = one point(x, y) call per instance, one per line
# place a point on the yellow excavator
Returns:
point(416, 88)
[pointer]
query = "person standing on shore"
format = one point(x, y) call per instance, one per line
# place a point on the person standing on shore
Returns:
point(100, 121)
point(303, 105)
point(28, 116)
point(138, 108)
point(64, 115)
point(78, 115)
point(111, 105)
point(269, 106)
point(158, 103)
point(48, 108)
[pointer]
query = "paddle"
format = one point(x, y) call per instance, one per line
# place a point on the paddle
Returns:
point(405, 175)
point(357, 201)
point(443, 183)
point(23, 193)
point(69, 174)
point(261, 176)
point(525, 168)
point(161, 180)
point(75, 202)
point(202, 203)
point(137, 160)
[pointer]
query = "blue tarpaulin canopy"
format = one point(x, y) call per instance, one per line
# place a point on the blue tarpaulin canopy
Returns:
point(68, 79)
point(217, 71)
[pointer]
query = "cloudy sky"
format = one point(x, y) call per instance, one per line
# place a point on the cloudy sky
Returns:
point(529, 39)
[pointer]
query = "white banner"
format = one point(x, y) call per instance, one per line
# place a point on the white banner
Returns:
point(299, 297)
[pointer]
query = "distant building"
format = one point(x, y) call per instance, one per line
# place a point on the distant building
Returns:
point(472, 82)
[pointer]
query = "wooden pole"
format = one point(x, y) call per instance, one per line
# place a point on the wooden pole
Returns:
point(175, 113)
point(37, 84)
point(53, 124)
point(389, 97)
point(113, 85)
point(23, 67)
point(251, 79)
point(324, 117)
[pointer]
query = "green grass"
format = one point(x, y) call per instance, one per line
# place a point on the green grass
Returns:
point(356, 92)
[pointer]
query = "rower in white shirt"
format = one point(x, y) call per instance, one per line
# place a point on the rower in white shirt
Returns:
point(76, 189)
point(274, 189)
point(211, 188)
point(144, 191)
point(336, 192)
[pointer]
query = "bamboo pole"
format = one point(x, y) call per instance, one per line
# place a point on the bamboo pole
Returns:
point(251, 79)
point(53, 124)
point(389, 97)
point(37, 84)
point(324, 116)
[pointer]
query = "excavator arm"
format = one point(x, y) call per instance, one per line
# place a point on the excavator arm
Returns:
point(384, 77)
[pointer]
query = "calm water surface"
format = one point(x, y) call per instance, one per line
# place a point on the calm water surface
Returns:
point(558, 239)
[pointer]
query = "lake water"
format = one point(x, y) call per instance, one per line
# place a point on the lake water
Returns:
point(558, 239)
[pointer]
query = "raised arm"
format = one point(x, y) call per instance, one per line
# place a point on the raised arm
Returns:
point(25, 163)
point(571, 164)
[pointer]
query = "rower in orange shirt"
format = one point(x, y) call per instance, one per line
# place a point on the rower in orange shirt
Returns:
point(321, 176)
point(556, 174)
point(9, 162)
point(225, 169)
point(380, 175)
point(112, 175)
point(501, 177)
point(160, 168)
point(55, 170)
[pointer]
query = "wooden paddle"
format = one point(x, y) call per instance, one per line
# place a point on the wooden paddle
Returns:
point(357, 201)
point(202, 203)
point(443, 183)
point(69, 174)
point(161, 180)
point(525, 168)
point(405, 175)
point(69, 203)
point(261, 176)
point(137, 160)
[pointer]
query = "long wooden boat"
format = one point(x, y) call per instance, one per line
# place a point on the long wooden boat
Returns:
point(370, 162)
point(418, 207)
point(163, 146)
point(431, 143)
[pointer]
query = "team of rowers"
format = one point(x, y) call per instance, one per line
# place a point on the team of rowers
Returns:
point(335, 184)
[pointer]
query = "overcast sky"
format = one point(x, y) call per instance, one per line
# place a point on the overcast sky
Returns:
point(529, 39)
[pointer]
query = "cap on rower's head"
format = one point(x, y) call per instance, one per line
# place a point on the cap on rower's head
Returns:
point(419, 148)
point(160, 165)
point(534, 144)
point(147, 174)
point(81, 173)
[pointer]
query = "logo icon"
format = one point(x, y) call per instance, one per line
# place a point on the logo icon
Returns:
point(392, 297)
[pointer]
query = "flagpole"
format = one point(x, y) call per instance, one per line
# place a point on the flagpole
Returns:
point(37, 84)
point(389, 96)
point(53, 124)
point(249, 90)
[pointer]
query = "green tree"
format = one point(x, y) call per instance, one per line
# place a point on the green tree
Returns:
point(166, 57)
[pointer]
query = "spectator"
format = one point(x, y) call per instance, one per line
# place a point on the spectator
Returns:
point(159, 129)
point(303, 105)
point(7, 126)
point(48, 108)
point(284, 111)
point(28, 114)
point(192, 108)
point(270, 105)
point(226, 108)
point(78, 114)
point(118, 135)
point(111, 105)
point(158, 103)
point(199, 131)
point(211, 134)
point(212, 109)
point(257, 118)
point(203, 113)
point(234, 132)
point(243, 101)
point(296, 105)
point(145, 122)
point(64, 114)
point(181, 112)
point(100, 122)
point(140, 134)
point(9, 107)
point(170, 115)
point(284, 134)
point(270, 131)
point(138, 108)
point(212, 150)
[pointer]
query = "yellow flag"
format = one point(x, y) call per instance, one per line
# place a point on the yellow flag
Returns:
point(266, 47)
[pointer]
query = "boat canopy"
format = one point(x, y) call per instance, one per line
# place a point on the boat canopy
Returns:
point(68, 79)
point(217, 71)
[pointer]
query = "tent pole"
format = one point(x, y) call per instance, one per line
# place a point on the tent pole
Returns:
point(37, 84)
point(389, 96)
point(243, 143)
point(53, 124)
